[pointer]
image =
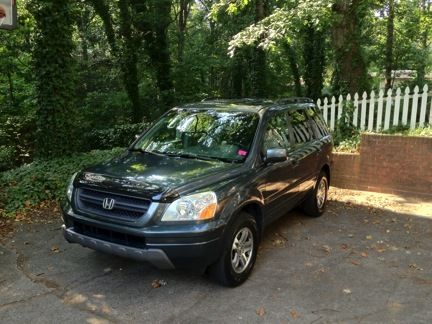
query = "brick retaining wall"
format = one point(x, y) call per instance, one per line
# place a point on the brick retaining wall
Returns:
point(386, 163)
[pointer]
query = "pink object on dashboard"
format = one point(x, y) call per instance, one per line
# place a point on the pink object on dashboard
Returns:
point(242, 152)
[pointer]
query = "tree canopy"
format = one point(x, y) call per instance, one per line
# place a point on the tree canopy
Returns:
point(74, 68)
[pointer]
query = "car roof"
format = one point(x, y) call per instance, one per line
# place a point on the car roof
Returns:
point(251, 105)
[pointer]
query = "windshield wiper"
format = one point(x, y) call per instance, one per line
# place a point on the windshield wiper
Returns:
point(140, 150)
point(196, 156)
point(223, 159)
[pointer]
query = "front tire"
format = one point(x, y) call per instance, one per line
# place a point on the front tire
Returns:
point(239, 253)
point(315, 204)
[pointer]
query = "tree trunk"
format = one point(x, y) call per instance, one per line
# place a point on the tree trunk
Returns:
point(292, 59)
point(129, 59)
point(82, 23)
point(55, 72)
point(389, 60)
point(350, 66)
point(155, 33)
point(102, 10)
point(421, 66)
point(160, 53)
point(183, 14)
point(314, 61)
point(258, 73)
point(11, 89)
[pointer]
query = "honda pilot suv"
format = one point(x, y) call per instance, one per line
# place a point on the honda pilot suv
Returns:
point(197, 189)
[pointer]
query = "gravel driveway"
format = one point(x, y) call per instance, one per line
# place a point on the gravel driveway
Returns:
point(368, 260)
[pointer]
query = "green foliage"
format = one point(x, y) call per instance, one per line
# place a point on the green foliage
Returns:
point(103, 110)
point(7, 157)
point(43, 180)
point(54, 68)
point(345, 131)
point(284, 23)
point(118, 136)
point(406, 131)
point(348, 144)
point(16, 141)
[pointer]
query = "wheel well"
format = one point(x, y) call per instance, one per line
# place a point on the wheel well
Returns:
point(326, 169)
point(255, 210)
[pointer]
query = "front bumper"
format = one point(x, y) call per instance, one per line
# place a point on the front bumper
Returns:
point(156, 257)
point(163, 248)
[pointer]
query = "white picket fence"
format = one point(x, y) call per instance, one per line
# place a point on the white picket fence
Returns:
point(372, 112)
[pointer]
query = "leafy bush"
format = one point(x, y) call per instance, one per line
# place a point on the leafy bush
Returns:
point(345, 130)
point(43, 180)
point(101, 110)
point(7, 156)
point(118, 136)
point(17, 134)
point(405, 130)
point(349, 145)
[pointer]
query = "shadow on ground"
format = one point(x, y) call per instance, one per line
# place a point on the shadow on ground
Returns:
point(354, 264)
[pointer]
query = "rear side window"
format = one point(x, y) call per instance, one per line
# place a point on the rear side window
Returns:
point(320, 128)
point(301, 128)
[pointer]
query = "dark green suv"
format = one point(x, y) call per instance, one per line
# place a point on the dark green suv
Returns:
point(198, 188)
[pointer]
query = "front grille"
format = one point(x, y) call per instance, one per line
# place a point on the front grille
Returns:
point(109, 236)
point(126, 207)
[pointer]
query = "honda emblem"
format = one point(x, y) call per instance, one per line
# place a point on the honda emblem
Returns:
point(108, 203)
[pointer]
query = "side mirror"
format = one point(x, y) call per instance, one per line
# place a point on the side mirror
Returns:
point(276, 155)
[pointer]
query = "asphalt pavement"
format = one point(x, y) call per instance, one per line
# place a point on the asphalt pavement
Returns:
point(355, 264)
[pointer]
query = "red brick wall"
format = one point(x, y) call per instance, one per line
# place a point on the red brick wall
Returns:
point(386, 163)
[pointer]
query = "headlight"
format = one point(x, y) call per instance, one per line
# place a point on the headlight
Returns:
point(70, 187)
point(194, 207)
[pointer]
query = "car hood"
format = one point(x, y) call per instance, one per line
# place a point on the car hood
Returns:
point(153, 176)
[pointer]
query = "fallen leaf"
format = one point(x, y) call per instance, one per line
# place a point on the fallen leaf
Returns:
point(355, 262)
point(369, 237)
point(326, 248)
point(55, 249)
point(415, 267)
point(294, 314)
point(347, 291)
point(278, 242)
point(344, 246)
point(364, 254)
point(158, 283)
point(260, 311)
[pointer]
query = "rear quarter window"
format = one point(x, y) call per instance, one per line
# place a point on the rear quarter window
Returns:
point(302, 132)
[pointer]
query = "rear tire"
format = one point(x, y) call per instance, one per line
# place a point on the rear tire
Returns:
point(316, 203)
point(239, 252)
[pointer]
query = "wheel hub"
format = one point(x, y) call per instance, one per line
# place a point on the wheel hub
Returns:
point(242, 250)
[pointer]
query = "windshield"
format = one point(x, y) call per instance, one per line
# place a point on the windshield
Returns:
point(208, 134)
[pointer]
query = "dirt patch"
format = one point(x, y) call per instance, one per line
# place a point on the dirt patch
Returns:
point(46, 212)
point(6, 228)
point(373, 200)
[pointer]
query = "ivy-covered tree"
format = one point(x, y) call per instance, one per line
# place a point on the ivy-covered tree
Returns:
point(55, 71)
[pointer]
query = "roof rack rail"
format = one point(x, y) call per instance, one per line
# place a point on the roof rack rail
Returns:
point(236, 100)
point(294, 100)
point(210, 99)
